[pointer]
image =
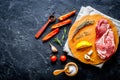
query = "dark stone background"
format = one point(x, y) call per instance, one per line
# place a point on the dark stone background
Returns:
point(22, 57)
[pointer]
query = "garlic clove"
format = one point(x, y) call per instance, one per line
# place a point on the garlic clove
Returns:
point(87, 57)
point(90, 52)
point(53, 48)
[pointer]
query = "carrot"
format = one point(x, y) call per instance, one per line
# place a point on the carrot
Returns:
point(51, 34)
point(65, 22)
point(63, 17)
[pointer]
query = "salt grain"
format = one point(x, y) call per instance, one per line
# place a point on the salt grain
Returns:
point(72, 69)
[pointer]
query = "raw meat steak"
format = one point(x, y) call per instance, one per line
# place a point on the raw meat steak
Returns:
point(105, 44)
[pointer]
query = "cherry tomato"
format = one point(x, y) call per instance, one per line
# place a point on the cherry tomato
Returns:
point(53, 58)
point(63, 58)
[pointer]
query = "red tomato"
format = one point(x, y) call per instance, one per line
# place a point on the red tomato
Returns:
point(53, 58)
point(63, 58)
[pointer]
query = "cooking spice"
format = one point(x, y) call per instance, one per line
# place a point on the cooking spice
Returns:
point(82, 35)
point(87, 57)
point(62, 23)
point(65, 31)
point(63, 36)
point(65, 16)
point(85, 23)
point(71, 69)
point(90, 53)
point(57, 41)
point(53, 48)
point(51, 34)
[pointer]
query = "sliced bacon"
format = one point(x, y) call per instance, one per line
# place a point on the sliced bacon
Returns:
point(105, 44)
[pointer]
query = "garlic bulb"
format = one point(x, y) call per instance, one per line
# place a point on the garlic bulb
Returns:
point(87, 57)
point(53, 48)
point(90, 52)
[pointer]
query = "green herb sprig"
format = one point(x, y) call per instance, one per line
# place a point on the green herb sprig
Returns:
point(64, 33)
point(57, 41)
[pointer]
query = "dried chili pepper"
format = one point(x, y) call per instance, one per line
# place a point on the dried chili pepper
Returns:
point(65, 16)
point(65, 22)
point(51, 34)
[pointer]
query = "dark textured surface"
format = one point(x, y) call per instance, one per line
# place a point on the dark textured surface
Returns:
point(22, 57)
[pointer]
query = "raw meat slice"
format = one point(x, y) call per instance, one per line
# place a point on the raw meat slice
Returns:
point(105, 44)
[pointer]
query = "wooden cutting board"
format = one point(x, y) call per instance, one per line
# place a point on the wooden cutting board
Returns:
point(88, 33)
